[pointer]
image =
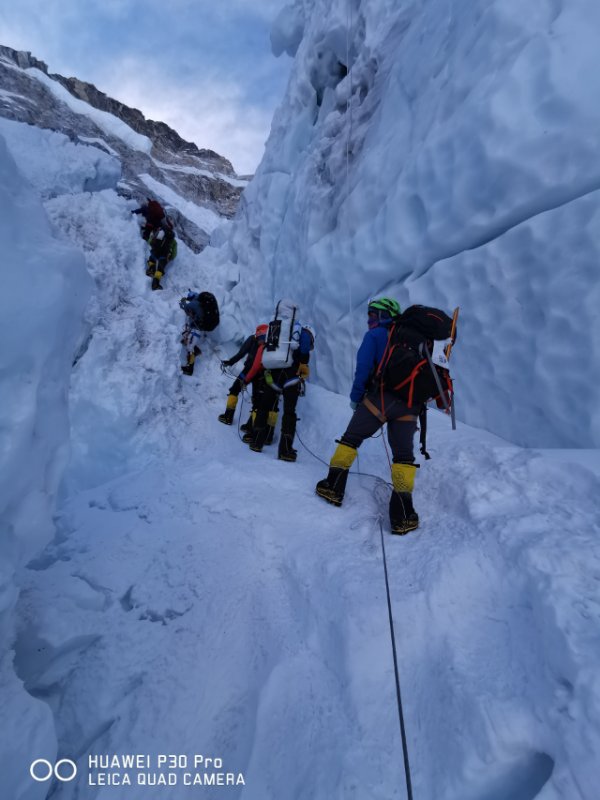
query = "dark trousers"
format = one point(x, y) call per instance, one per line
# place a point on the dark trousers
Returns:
point(147, 230)
point(257, 384)
point(269, 401)
point(401, 425)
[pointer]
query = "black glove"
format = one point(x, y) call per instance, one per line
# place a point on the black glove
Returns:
point(226, 363)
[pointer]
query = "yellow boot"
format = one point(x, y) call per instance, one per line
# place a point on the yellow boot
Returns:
point(156, 280)
point(403, 517)
point(333, 487)
point(271, 425)
point(227, 417)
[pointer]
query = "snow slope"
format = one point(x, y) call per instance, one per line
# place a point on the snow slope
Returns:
point(54, 165)
point(107, 122)
point(244, 619)
point(444, 153)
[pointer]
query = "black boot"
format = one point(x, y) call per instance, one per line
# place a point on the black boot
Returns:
point(257, 441)
point(247, 426)
point(286, 451)
point(270, 434)
point(403, 517)
point(286, 440)
point(188, 369)
point(156, 284)
point(333, 487)
point(227, 417)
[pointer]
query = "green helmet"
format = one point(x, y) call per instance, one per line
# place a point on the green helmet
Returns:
point(391, 307)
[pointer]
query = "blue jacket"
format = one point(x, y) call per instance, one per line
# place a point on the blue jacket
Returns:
point(305, 345)
point(194, 310)
point(368, 357)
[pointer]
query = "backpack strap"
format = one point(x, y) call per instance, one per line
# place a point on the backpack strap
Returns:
point(256, 364)
point(287, 357)
point(423, 434)
point(386, 353)
point(410, 380)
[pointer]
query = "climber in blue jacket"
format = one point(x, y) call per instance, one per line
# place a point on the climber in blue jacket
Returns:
point(372, 346)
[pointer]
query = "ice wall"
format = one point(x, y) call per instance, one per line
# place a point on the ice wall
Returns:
point(447, 153)
point(44, 289)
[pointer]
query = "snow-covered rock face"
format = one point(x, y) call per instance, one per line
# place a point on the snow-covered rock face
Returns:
point(153, 158)
point(443, 153)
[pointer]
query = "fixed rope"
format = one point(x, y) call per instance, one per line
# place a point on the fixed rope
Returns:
point(396, 671)
point(391, 623)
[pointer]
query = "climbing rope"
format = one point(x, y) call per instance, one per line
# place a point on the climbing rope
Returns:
point(241, 395)
point(390, 618)
point(396, 671)
point(240, 415)
point(356, 472)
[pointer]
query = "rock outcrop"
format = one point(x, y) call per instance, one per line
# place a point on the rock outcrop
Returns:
point(177, 172)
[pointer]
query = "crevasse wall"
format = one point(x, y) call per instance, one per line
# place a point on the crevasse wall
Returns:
point(44, 289)
point(446, 153)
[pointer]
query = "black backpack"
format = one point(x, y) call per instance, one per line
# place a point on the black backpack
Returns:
point(210, 308)
point(405, 368)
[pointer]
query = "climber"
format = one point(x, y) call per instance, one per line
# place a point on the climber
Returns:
point(252, 350)
point(285, 362)
point(202, 315)
point(163, 249)
point(153, 213)
point(395, 378)
point(365, 401)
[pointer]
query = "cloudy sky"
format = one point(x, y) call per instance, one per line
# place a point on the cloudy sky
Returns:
point(204, 67)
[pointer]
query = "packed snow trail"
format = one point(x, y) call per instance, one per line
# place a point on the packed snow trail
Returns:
point(200, 598)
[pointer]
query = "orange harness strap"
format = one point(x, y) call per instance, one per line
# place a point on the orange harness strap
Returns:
point(382, 418)
point(374, 410)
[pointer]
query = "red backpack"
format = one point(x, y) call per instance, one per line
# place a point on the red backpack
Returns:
point(155, 212)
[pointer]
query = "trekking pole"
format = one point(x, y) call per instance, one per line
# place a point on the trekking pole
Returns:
point(447, 351)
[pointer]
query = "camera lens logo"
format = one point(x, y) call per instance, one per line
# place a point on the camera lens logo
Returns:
point(42, 770)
